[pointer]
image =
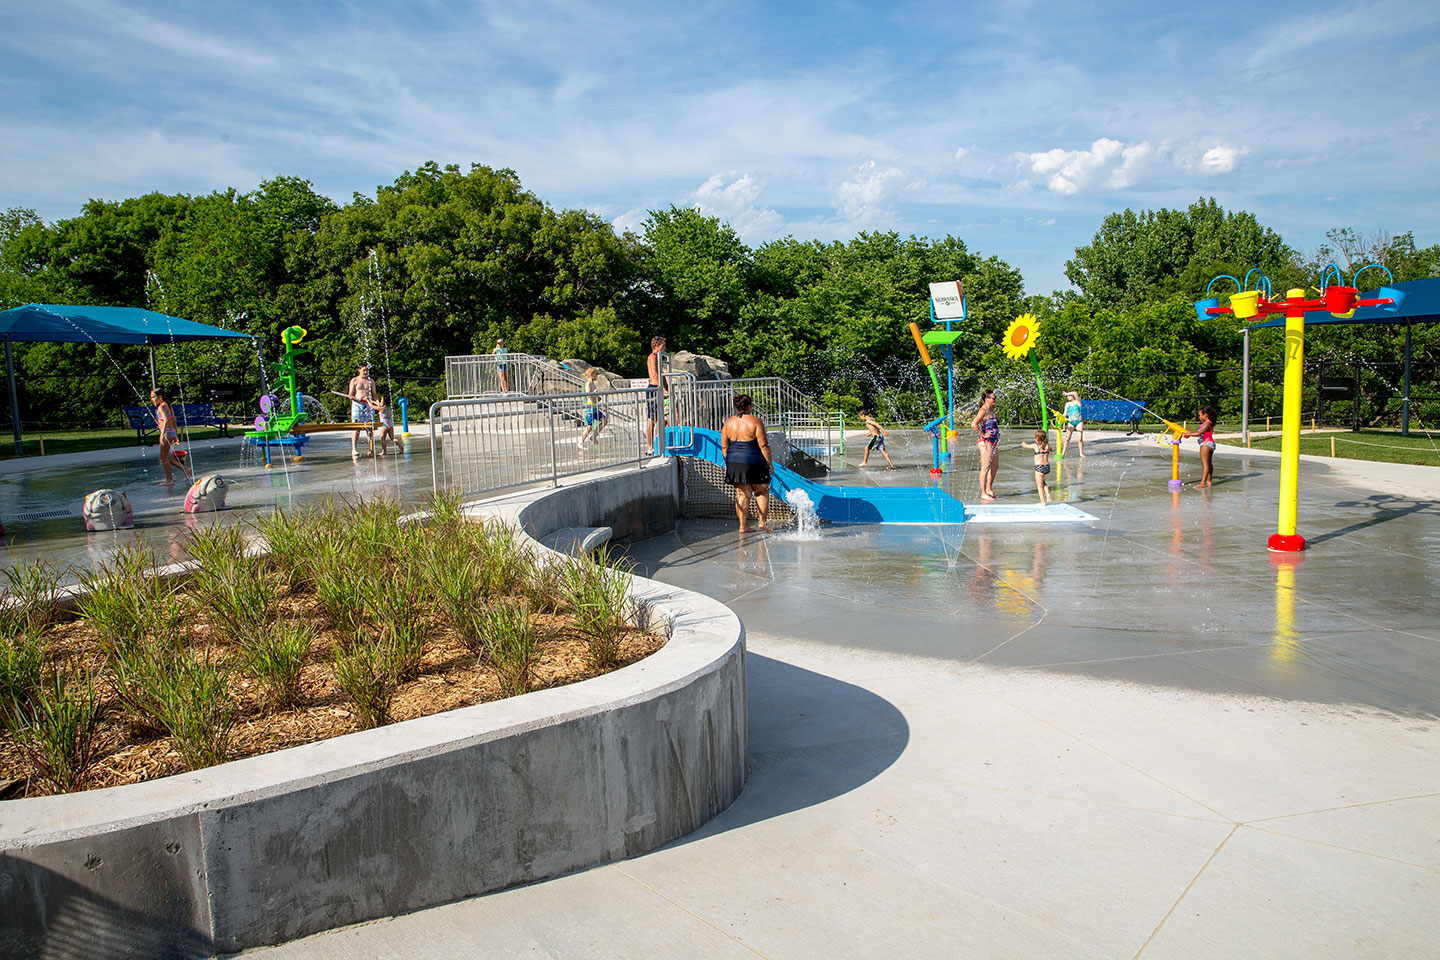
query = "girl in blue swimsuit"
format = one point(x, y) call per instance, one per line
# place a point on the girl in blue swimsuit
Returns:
point(987, 427)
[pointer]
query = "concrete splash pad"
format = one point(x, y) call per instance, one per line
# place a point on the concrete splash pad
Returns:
point(40, 497)
point(1168, 588)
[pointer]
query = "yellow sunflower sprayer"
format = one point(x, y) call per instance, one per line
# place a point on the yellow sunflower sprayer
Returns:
point(1019, 342)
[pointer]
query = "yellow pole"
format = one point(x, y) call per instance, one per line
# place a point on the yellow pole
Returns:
point(1175, 463)
point(1285, 538)
point(1332, 446)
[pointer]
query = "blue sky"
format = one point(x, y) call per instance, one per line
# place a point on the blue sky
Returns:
point(1014, 125)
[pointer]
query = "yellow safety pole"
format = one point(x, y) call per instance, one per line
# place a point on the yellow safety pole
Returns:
point(1285, 538)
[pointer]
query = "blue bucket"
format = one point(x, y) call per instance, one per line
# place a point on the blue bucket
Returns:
point(1202, 305)
point(1397, 295)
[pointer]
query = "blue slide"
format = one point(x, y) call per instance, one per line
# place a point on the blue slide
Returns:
point(836, 504)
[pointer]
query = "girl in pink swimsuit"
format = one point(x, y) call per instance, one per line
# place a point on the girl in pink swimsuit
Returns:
point(1205, 436)
point(169, 435)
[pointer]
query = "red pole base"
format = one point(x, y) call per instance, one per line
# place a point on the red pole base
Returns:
point(1281, 543)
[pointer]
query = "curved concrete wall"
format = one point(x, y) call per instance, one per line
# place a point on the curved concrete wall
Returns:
point(271, 848)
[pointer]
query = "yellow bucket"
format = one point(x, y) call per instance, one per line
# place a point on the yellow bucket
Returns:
point(1245, 304)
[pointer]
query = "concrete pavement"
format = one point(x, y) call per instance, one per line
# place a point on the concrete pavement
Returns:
point(1139, 739)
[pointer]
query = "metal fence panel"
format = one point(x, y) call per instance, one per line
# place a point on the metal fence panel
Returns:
point(494, 443)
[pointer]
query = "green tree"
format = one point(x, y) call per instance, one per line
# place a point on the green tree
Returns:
point(1135, 258)
point(700, 276)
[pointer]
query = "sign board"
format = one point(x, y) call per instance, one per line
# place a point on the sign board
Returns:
point(949, 300)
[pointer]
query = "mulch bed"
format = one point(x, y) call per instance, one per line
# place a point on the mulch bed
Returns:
point(450, 676)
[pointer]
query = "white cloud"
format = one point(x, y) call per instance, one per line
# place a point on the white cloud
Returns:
point(737, 203)
point(1210, 158)
point(632, 220)
point(1068, 172)
point(1221, 159)
point(867, 198)
point(1114, 165)
point(961, 153)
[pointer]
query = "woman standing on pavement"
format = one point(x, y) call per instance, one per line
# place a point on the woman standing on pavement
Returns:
point(987, 428)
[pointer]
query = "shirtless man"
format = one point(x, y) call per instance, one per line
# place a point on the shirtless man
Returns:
point(654, 394)
point(363, 403)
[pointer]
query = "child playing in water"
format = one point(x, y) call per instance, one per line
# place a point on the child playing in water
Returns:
point(594, 417)
point(1205, 436)
point(1041, 446)
point(387, 427)
point(1074, 422)
point(170, 455)
point(877, 439)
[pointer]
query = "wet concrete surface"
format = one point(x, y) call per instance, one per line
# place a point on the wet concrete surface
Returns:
point(1162, 588)
point(40, 505)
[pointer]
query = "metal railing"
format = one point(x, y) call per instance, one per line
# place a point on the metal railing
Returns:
point(820, 435)
point(494, 443)
point(478, 425)
point(479, 375)
point(799, 424)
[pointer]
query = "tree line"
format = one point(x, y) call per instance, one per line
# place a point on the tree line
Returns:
point(445, 261)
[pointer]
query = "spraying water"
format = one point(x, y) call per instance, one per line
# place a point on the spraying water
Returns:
point(807, 523)
point(379, 306)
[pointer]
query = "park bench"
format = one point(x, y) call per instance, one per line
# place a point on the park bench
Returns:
point(1114, 411)
point(142, 419)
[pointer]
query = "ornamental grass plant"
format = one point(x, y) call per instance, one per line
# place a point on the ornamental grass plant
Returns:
point(301, 625)
point(58, 735)
point(275, 657)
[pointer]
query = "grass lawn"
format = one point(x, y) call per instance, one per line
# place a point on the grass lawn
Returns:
point(1380, 445)
point(74, 441)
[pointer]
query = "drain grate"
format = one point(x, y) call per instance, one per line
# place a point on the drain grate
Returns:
point(45, 515)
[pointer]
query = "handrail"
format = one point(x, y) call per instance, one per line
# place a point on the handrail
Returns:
point(481, 444)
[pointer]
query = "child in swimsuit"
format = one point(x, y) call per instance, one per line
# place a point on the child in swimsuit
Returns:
point(594, 417)
point(1041, 446)
point(169, 436)
point(1205, 436)
point(387, 427)
point(876, 441)
point(1074, 422)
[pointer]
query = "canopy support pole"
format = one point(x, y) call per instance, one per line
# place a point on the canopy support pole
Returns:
point(14, 400)
point(1245, 393)
point(152, 366)
point(1405, 399)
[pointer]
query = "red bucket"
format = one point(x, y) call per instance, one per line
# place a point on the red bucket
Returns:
point(1340, 300)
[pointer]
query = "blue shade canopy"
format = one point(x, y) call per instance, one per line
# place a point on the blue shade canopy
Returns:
point(53, 323)
point(1422, 305)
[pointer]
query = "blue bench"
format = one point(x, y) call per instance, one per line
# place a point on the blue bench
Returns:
point(142, 419)
point(1115, 411)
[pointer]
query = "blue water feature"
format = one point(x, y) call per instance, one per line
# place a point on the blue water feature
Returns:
point(835, 504)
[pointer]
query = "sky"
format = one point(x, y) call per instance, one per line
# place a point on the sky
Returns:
point(1016, 126)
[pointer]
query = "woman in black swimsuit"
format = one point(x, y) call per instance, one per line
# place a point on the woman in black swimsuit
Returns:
point(747, 461)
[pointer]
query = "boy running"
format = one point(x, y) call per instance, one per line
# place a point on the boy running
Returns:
point(877, 439)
